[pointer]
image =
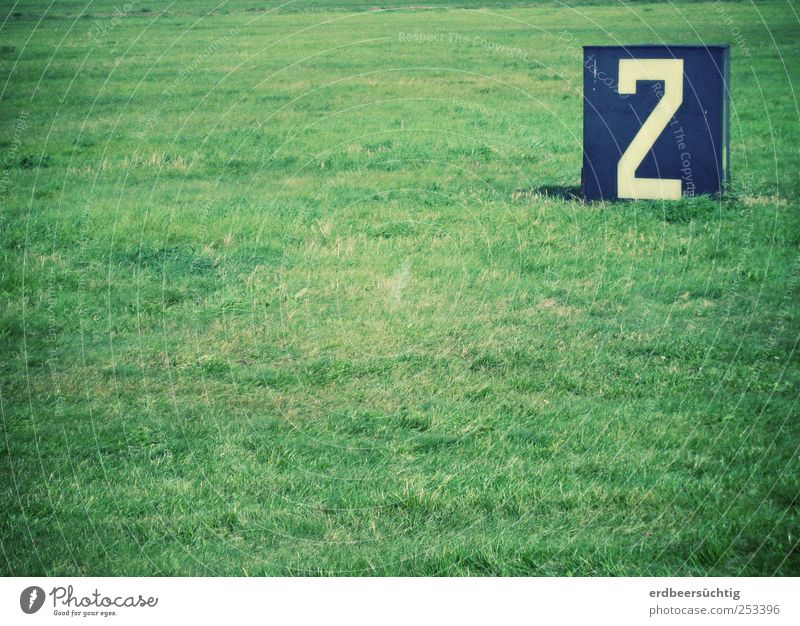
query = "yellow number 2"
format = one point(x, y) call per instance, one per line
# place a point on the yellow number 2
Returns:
point(671, 72)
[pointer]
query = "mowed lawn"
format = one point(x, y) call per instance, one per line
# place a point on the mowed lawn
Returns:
point(306, 292)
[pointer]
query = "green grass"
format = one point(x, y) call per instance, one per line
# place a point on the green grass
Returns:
point(281, 293)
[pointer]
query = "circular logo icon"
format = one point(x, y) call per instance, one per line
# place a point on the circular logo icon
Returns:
point(31, 599)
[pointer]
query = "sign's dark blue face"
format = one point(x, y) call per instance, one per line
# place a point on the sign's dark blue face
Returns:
point(655, 121)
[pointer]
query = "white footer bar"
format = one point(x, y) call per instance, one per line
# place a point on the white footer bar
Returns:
point(379, 601)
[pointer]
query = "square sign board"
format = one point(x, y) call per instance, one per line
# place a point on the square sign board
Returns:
point(655, 121)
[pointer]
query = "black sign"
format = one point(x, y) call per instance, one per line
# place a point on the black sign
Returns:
point(655, 121)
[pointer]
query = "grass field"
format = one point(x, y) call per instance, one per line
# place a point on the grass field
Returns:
point(289, 291)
